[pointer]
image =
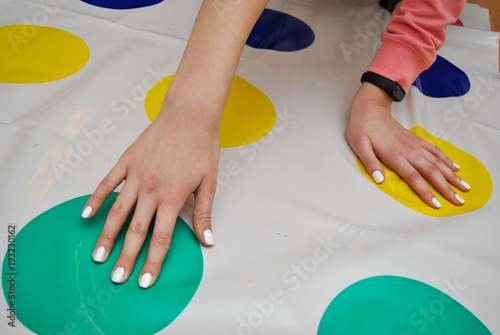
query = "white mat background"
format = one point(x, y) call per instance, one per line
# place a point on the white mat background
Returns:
point(303, 180)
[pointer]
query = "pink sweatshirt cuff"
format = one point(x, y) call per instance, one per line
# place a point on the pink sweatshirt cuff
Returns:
point(416, 31)
point(398, 62)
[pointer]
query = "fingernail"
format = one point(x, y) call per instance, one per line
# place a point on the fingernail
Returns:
point(464, 184)
point(459, 198)
point(99, 255)
point(86, 212)
point(436, 202)
point(378, 176)
point(145, 280)
point(209, 237)
point(456, 165)
point(118, 275)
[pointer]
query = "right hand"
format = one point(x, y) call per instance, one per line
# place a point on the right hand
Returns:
point(374, 135)
point(175, 156)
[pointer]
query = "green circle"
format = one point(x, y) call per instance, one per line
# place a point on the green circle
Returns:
point(394, 305)
point(60, 290)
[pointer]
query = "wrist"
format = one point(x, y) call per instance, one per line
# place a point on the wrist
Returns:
point(392, 88)
point(371, 95)
point(191, 107)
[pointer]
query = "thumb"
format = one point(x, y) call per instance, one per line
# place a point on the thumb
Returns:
point(365, 152)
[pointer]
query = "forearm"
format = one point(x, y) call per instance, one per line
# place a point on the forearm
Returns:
point(209, 62)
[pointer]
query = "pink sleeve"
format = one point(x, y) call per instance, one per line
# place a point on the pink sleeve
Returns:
point(414, 34)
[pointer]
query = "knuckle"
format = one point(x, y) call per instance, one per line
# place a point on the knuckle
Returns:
point(210, 187)
point(400, 166)
point(154, 265)
point(152, 182)
point(357, 141)
point(433, 160)
point(126, 258)
point(394, 157)
point(425, 144)
point(138, 228)
point(172, 198)
point(204, 218)
point(433, 172)
point(413, 176)
point(372, 164)
point(96, 199)
point(348, 132)
point(435, 149)
point(162, 239)
point(117, 211)
point(432, 148)
point(107, 237)
point(415, 157)
point(106, 182)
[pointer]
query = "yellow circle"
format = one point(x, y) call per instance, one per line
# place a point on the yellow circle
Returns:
point(472, 171)
point(248, 116)
point(38, 54)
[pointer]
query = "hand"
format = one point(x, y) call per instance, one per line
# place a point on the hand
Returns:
point(175, 156)
point(374, 134)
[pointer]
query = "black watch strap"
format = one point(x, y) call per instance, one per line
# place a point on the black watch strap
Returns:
point(390, 5)
point(392, 88)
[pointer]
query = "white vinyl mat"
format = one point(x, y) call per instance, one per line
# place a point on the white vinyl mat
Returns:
point(295, 220)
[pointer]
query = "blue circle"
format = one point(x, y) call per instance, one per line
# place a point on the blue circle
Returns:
point(443, 80)
point(122, 4)
point(278, 31)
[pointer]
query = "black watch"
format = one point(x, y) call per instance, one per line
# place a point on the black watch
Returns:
point(390, 5)
point(392, 88)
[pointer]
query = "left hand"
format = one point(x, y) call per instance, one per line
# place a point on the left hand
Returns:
point(374, 134)
point(177, 155)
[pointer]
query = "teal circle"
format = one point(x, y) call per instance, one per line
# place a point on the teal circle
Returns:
point(60, 290)
point(394, 305)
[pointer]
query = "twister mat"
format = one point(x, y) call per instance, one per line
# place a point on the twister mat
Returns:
point(306, 243)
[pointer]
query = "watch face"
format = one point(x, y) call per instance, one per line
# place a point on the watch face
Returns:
point(398, 94)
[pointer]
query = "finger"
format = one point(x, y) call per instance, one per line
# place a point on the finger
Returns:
point(441, 155)
point(116, 217)
point(134, 239)
point(434, 175)
point(364, 149)
point(202, 216)
point(448, 173)
point(166, 216)
point(104, 189)
point(417, 183)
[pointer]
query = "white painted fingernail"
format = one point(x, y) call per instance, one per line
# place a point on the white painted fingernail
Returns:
point(118, 275)
point(456, 165)
point(145, 280)
point(459, 198)
point(99, 255)
point(86, 212)
point(378, 176)
point(464, 184)
point(209, 237)
point(436, 202)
